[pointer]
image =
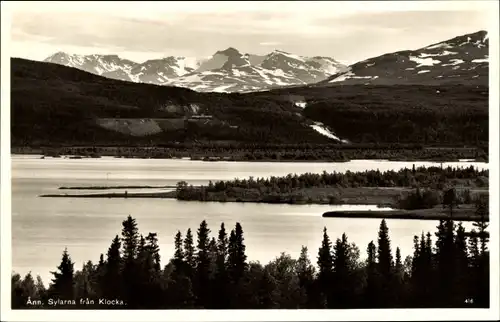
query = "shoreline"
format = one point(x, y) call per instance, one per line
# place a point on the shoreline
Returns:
point(418, 214)
point(436, 213)
point(115, 187)
point(308, 153)
point(437, 161)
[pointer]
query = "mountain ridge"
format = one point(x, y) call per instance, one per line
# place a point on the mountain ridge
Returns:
point(459, 59)
point(226, 70)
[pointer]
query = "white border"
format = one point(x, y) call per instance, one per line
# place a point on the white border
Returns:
point(256, 315)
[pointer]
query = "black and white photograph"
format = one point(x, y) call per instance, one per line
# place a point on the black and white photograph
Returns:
point(249, 160)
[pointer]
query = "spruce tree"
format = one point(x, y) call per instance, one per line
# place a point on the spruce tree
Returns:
point(179, 252)
point(111, 285)
point(221, 278)
point(325, 266)
point(371, 294)
point(445, 260)
point(189, 252)
point(384, 252)
point(462, 266)
point(236, 265)
point(342, 288)
point(62, 284)
point(153, 250)
point(130, 239)
point(399, 265)
point(202, 265)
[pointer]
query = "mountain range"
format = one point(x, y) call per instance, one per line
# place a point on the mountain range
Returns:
point(460, 59)
point(225, 71)
point(435, 95)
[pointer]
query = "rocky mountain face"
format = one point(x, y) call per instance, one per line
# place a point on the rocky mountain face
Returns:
point(225, 71)
point(156, 71)
point(463, 59)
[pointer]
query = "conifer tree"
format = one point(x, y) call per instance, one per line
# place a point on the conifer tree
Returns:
point(189, 253)
point(236, 254)
point(372, 289)
point(306, 273)
point(29, 289)
point(445, 260)
point(461, 264)
point(384, 251)
point(341, 273)
point(202, 265)
point(130, 239)
point(221, 278)
point(179, 252)
point(111, 285)
point(62, 283)
point(153, 250)
point(325, 266)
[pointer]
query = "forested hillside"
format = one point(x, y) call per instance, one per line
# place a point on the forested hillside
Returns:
point(55, 105)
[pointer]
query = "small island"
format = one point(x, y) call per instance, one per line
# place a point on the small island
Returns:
point(416, 193)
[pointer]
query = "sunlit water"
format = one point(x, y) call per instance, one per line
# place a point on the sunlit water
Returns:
point(43, 227)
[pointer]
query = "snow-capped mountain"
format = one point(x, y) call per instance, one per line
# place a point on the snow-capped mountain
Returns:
point(225, 71)
point(460, 59)
point(156, 71)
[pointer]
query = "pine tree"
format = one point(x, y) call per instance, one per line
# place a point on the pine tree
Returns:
point(341, 274)
point(461, 264)
point(445, 258)
point(101, 261)
point(371, 299)
point(62, 283)
point(179, 252)
point(141, 250)
point(130, 239)
point(221, 278)
point(399, 265)
point(189, 254)
point(325, 265)
point(236, 265)
point(153, 250)
point(111, 285)
point(202, 265)
point(384, 251)
point(236, 254)
point(131, 277)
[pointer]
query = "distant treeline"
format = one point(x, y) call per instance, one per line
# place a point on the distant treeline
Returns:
point(215, 273)
point(329, 153)
point(291, 188)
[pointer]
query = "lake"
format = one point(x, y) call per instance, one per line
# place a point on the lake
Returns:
point(43, 227)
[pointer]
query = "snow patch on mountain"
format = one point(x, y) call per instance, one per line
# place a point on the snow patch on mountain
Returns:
point(480, 60)
point(321, 129)
point(227, 70)
point(455, 62)
point(424, 61)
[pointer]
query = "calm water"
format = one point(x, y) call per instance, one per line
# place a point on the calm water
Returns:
point(43, 227)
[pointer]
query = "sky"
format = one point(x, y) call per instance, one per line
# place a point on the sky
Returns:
point(347, 31)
